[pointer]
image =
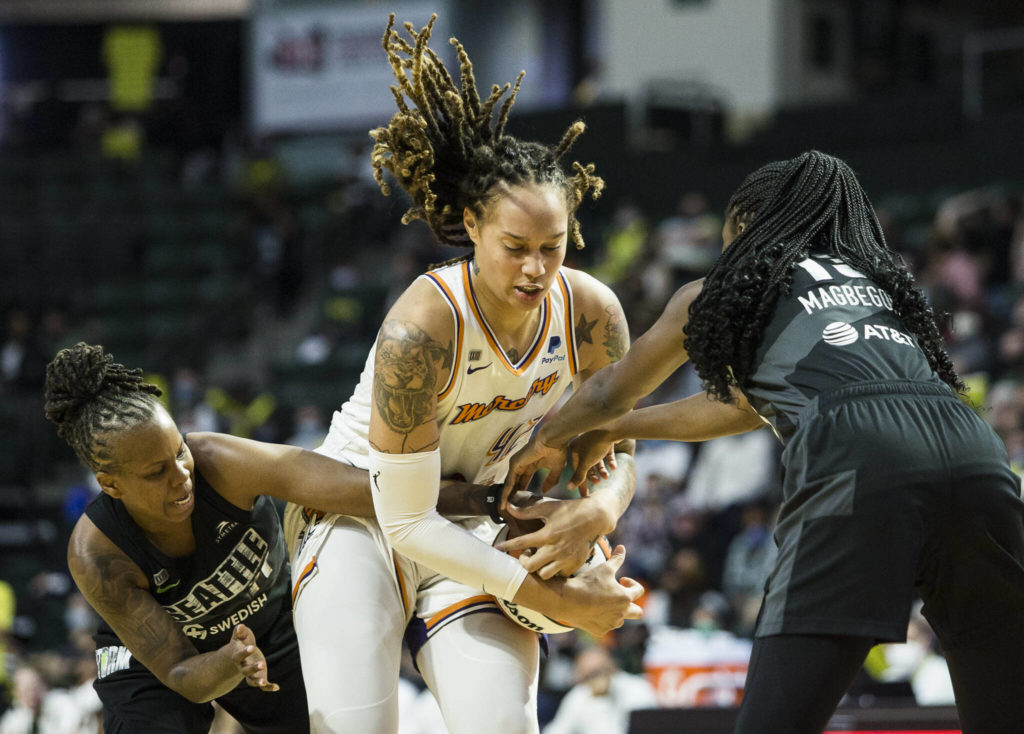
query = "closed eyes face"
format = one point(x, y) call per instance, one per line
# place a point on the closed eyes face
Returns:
point(520, 243)
point(154, 479)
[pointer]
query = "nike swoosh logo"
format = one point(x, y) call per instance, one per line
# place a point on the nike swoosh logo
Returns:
point(162, 589)
point(471, 370)
point(375, 482)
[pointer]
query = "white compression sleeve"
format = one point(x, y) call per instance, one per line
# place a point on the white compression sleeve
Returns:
point(405, 488)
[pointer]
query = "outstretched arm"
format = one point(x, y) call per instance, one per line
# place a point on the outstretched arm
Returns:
point(609, 392)
point(695, 418)
point(241, 469)
point(612, 391)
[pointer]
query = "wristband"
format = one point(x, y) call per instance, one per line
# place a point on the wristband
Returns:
point(491, 500)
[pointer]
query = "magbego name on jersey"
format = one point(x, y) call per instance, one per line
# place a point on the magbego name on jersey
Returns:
point(827, 296)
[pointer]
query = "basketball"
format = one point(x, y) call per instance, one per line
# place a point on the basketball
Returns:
point(534, 620)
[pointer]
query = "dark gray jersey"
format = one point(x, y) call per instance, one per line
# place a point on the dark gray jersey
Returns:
point(238, 573)
point(836, 328)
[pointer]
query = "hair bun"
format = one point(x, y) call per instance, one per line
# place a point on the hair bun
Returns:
point(75, 377)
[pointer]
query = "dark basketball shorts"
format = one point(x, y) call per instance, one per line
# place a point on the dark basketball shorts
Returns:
point(890, 488)
point(135, 701)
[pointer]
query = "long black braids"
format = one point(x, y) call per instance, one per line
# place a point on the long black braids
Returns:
point(447, 150)
point(811, 203)
point(91, 398)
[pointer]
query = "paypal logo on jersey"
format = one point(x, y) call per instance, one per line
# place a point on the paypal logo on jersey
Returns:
point(553, 344)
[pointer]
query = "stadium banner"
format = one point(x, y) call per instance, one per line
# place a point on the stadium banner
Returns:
point(320, 66)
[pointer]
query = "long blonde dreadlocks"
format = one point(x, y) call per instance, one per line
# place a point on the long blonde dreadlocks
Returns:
point(448, 153)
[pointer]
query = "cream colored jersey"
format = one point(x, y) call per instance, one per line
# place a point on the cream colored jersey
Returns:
point(486, 412)
point(490, 404)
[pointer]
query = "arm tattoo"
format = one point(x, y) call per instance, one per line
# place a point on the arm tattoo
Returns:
point(409, 368)
point(583, 329)
point(137, 618)
point(616, 334)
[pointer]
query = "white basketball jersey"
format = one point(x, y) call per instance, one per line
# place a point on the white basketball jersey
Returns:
point(490, 405)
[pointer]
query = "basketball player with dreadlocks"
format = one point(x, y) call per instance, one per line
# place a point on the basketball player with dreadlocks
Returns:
point(182, 557)
point(808, 322)
point(182, 554)
point(467, 362)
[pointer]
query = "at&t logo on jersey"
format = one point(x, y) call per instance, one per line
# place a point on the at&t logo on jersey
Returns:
point(841, 334)
point(475, 411)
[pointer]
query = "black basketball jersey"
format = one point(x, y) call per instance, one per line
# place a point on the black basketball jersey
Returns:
point(836, 328)
point(238, 573)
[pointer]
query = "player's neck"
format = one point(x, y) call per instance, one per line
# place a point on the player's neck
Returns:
point(515, 328)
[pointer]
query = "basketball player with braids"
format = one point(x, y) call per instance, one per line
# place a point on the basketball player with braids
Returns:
point(808, 322)
point(467, 362)
point(183, 558)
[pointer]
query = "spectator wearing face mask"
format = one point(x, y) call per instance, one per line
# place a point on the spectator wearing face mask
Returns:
point(918, 662)
point(36, 709)
point(602, 699)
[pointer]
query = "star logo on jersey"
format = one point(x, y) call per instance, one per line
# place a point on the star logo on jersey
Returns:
point(471, 370)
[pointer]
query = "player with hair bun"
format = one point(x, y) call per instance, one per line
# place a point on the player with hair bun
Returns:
point(183, 557)
point(467, 362)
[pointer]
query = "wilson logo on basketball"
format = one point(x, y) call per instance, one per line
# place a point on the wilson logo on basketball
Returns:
point(476, 411)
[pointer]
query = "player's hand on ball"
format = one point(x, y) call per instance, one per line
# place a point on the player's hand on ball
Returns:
point(249, 659)
point(563, 541)
point(535, 456)
point(593, 456)
point(603, 602)
point(524, 525)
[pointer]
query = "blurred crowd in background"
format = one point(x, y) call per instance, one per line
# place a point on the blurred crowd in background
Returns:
point(309, 273)
point(247, 275)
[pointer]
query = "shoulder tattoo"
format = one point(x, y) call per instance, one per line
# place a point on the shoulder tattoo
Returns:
point(410, 367)
point(583, 329)
point(616, 333)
